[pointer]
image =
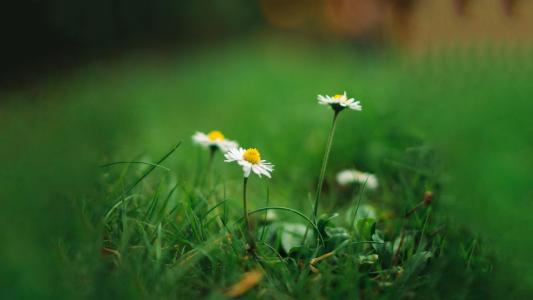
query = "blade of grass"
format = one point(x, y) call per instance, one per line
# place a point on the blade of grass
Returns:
point(134, 162)
point(358, 203)
point(289, 210)
point(131, 187)
point(266, 214)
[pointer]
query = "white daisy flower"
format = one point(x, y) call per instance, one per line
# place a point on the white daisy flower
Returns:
point(250, 160)
point(350, 176)
point(339, 102)
point(215, 140)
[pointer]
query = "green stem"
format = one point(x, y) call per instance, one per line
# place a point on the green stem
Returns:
point(244, 207)
point(207, 181)
point(324, 164)
point(209, 166)
point(249, 237)
point(266, 214)
point(354, 216)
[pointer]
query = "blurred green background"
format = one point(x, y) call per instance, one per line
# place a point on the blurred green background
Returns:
point(91, 82)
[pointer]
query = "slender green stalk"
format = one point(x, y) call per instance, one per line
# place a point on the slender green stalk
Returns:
point(423, 231)
point(131, 187)
point(212, 152)
point(354, 216)
point(324, 164)
point(244, 205)
point(266, 214)
point(134, 162)
point(209, 166)
point(249, 236)
point(474, 243)
point(207, 181)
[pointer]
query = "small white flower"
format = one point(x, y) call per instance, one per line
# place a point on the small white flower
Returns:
point(339, 102)
point(249, 160)
point(350, 176)
point(214, 139)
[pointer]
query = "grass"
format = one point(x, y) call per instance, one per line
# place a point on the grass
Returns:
point(169, 230)
point(421, 129)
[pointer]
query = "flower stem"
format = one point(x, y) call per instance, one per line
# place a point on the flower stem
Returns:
point(249, 237)
point(244, 207)
point(324, 164)
point(209, 166)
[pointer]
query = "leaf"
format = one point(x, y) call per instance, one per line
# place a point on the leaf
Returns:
point(408, 242)
point(335, 236)
point(415, 264)
point(324, 223)
point(292, 235)
point(300, 252)
point(379, 244)
point(366, 228)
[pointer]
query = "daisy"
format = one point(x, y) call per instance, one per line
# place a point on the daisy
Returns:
point(352, 176)
point(250, 160)
point(339, 102)
point(214, 140)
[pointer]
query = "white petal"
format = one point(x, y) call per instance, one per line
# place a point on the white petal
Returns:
point(233, 155)
point(266, 168)
point(246, 169)
point(257, 170)
point(356, 106)
point(351, 176)
point(243, 162)
point(226, 145)
point(372, 181)
point(345, 177)
point(265, 172)
point(201, 139)
point(324, 99)
point(343, 98)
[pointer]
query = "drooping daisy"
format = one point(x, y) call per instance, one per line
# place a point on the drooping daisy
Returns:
point(250, 160)
point(214, 140)
point(339, 102)
point(351, 176)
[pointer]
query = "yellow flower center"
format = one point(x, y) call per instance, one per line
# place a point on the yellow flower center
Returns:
point(338, 97)
point(252, 156)
point(215, 135)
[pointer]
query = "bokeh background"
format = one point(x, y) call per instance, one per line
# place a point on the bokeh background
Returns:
point(89, 82)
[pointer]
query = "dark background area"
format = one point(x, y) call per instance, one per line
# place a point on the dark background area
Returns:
point(39, 35)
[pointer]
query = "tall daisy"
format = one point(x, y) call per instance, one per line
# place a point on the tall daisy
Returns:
point(338, 103)
point(250, 161)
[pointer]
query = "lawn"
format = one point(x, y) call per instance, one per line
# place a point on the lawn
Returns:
point(453, 123)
